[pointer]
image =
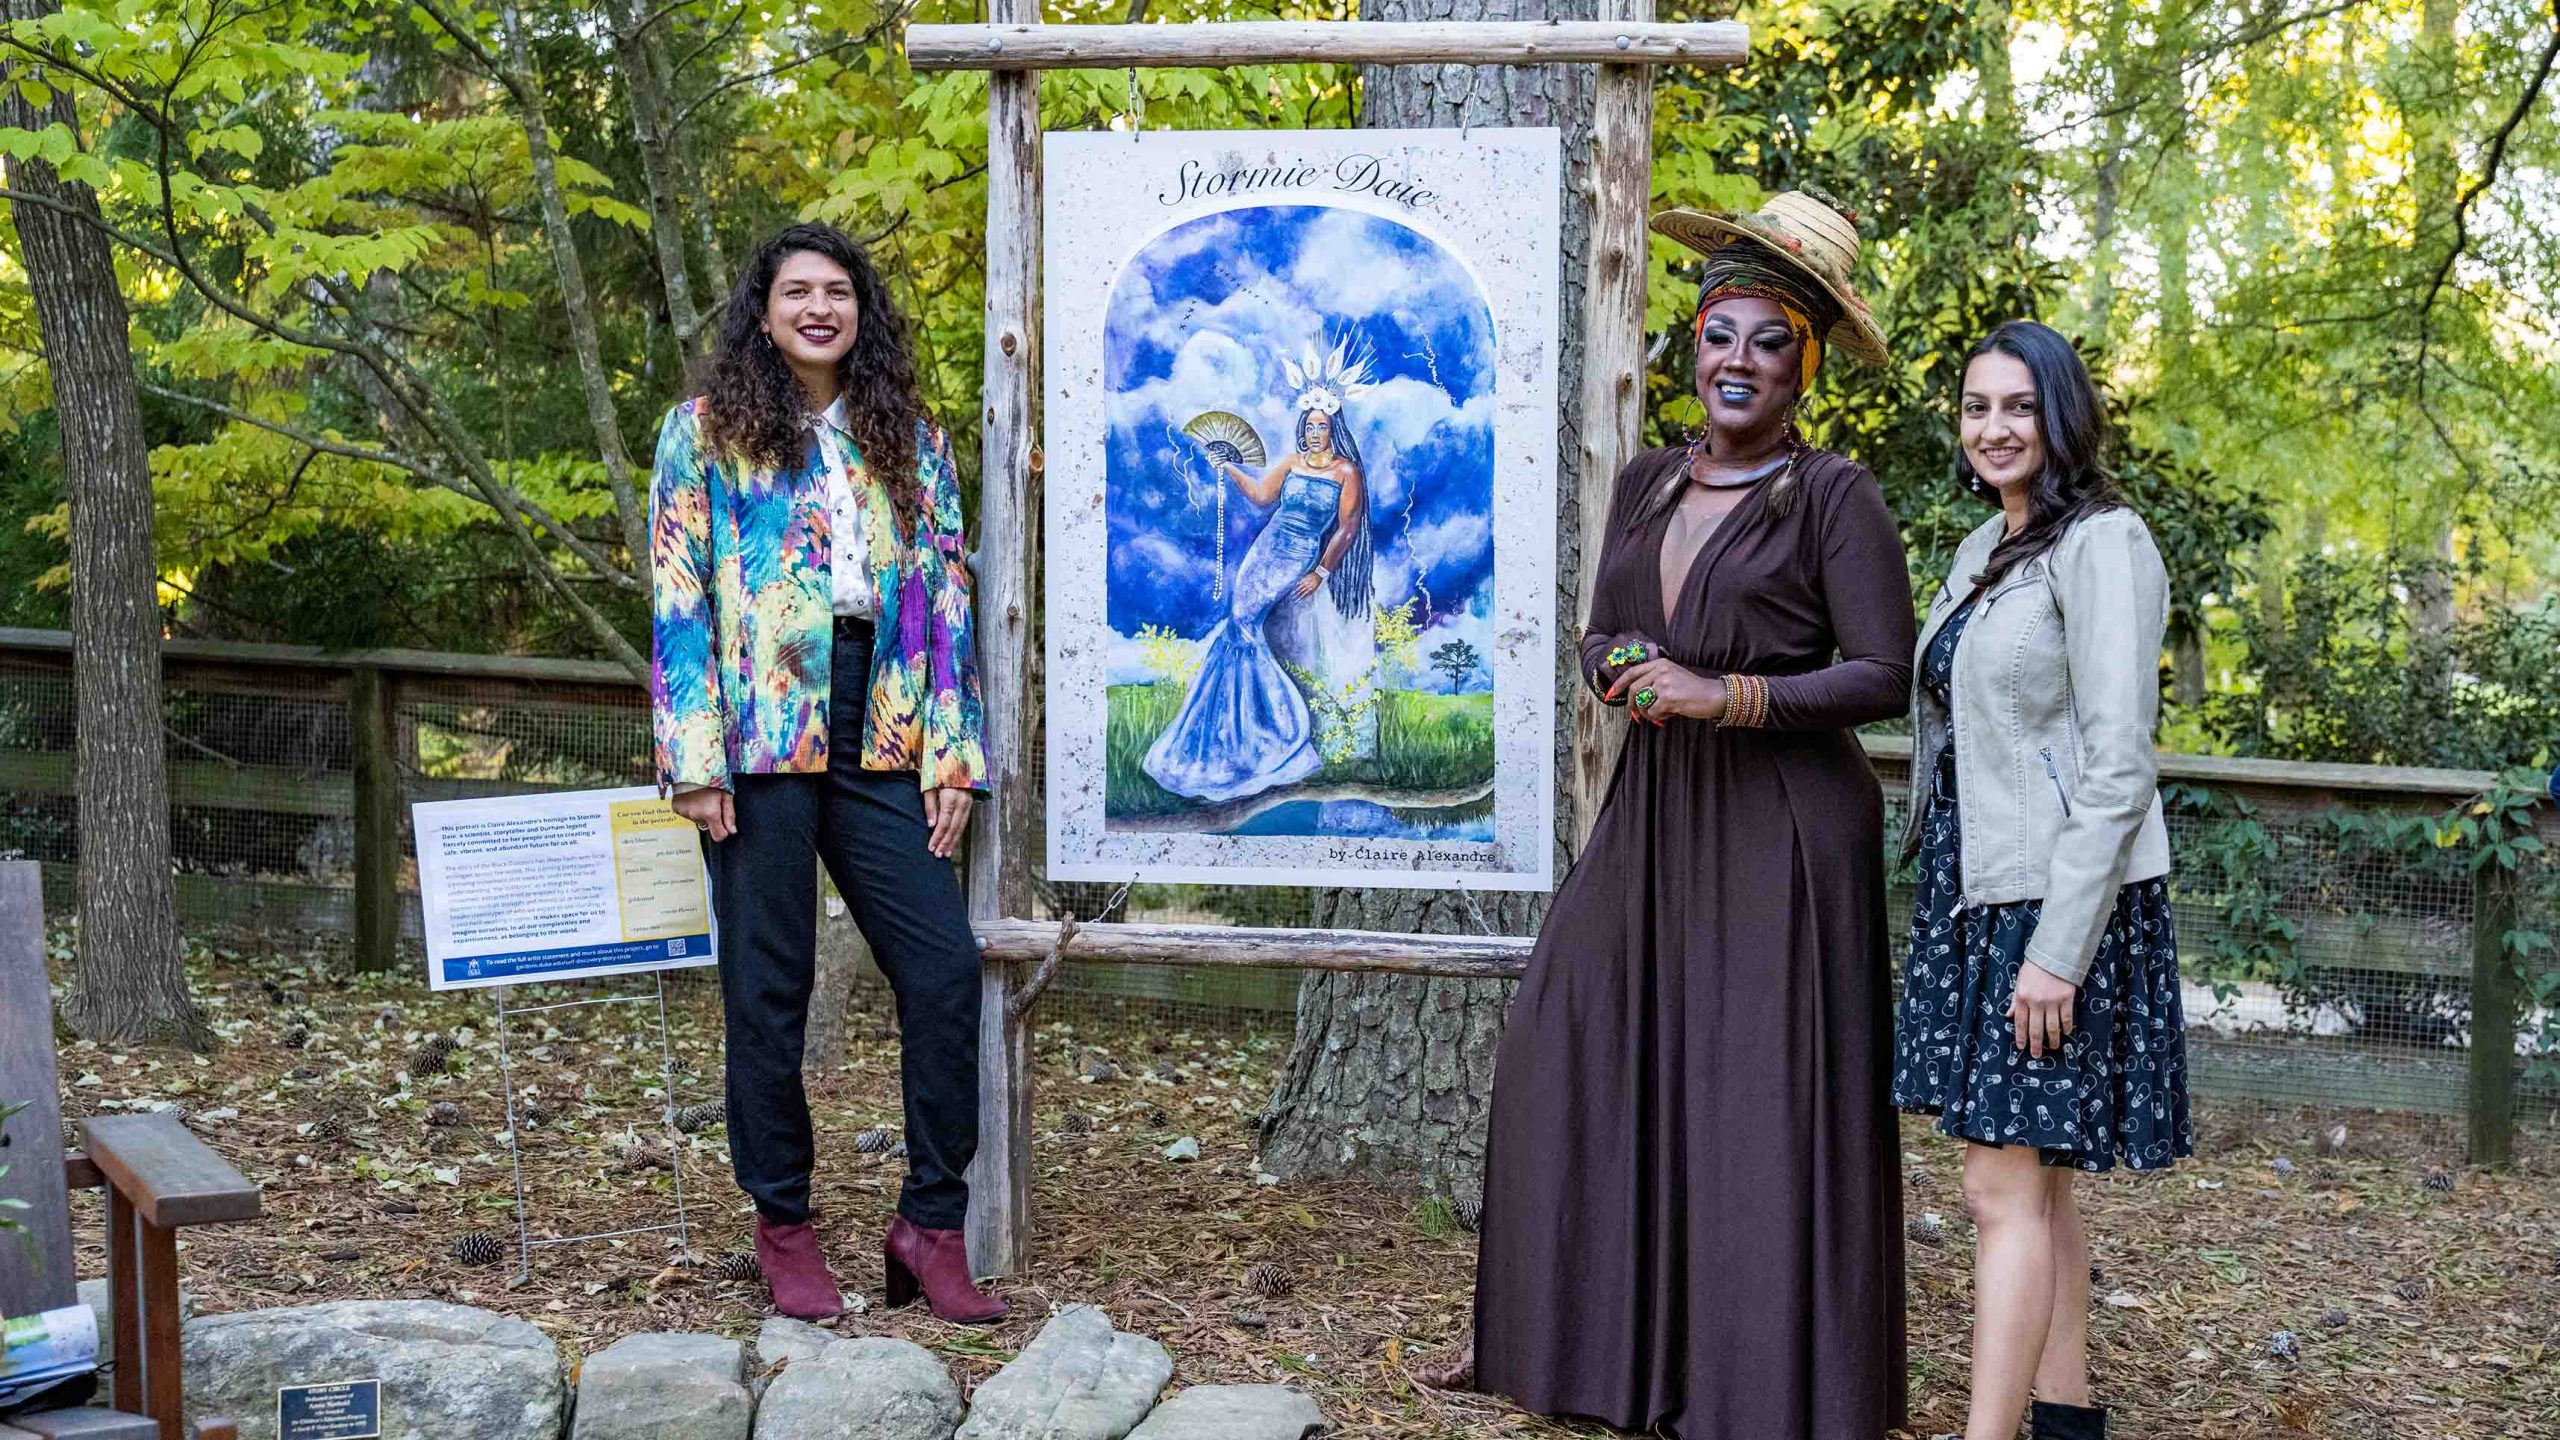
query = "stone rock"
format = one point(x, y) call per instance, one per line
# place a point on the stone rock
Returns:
point(93, 1293)
point(781, 1341)
point(1078, 1379)
point(865, 1389)
point(446, 1370)
point(1234, 1412)
point(664, 1387)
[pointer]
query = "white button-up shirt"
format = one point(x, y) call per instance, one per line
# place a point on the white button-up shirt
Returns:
point(851, 570)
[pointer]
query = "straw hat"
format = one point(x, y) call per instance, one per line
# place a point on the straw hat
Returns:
point(1810, 236)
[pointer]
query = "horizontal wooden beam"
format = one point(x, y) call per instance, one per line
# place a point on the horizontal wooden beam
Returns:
point(1461, 957)
point(168, 1174)
point(1323, 42)
point(2400, 780)
point(31, 644)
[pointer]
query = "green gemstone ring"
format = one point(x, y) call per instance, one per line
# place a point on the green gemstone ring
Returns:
point(1644, 698)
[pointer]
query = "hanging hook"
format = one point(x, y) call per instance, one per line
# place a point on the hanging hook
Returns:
point(1137, 106)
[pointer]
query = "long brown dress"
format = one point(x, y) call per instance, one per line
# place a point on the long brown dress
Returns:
point(1693, 1198)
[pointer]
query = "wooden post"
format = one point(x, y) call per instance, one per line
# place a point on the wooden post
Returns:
point(1008, 525)
point(2494, 993)
point(1612, 371)
point(124, 1298)
point(38, 1274)
point(370, 706)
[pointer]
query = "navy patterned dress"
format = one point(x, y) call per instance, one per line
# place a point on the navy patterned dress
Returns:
point(2117, 1090)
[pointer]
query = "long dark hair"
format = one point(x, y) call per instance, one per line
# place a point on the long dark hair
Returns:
point(2072, 423)
point(1350, 583)
point(759, 410)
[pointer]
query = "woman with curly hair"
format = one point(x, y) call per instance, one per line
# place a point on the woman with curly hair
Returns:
point(814, 694)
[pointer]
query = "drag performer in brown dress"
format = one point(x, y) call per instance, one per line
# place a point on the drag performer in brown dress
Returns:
point(1692, 1201)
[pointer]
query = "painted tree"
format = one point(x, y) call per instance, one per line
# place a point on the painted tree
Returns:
point(1457, 660)
point(131, 983)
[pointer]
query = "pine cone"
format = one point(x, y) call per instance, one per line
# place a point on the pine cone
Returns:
point(70, 1132)
point(445, 1112)
point(695, 1118)
point(878, 1140)
point(1097, 1067)
point(478, 1247)
point(1249, 1318)
point(1468, 1213)
point(1268, 1280)
point(2283, 1346)
point(1157, 1119)
point(2281, 1166)
point(2439, 1181)
point(2334, 1318)
point(531, 1116)
point(333, 1128)
point(295, 1038)
point(740, 1265)
point(429, 1059)
point(1168, 1072)
point(1924, 1231)
point(1075, 1122)
point(273, 991)
point(2414, 1289)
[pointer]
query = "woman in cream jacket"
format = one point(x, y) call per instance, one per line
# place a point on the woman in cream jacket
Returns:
point(2040, 1019)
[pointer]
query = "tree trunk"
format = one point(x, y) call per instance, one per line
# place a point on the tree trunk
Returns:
point(132, 982)
point(1392, 1078)
point(2105, 211)
point(2437, 176)
point(651, 122)
point(842, 956)
point(525, 89)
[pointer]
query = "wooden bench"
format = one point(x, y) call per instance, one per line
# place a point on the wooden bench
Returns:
point(157, 1176)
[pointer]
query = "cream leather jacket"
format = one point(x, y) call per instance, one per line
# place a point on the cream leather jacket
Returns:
point(2056, 697)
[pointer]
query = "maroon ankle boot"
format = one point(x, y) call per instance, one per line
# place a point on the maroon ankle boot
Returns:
point(803, 1287)
point(936, 1262)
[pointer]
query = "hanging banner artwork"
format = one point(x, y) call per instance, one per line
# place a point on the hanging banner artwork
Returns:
point(1300, 463)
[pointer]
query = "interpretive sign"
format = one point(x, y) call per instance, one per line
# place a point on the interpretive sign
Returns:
point(562, 886)
point(343, 1410)
point(1301, 464)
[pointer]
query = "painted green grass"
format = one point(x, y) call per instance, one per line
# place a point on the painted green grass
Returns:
point(1425, 742)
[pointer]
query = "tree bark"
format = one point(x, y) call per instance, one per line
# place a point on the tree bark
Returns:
point(842, 957)
point(2437, 176)
point(525, 89)
point(2105, 210)
point(1392, 1078)
point(651, 126)
point(132, 981)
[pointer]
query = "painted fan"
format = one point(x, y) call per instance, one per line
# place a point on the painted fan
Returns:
point(1227, 438)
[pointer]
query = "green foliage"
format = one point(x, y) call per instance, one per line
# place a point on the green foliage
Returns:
point(2246, 216)
point(2344, 674)
point(1426, 742)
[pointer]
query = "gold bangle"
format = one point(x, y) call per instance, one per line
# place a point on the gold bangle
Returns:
point(1746, 703)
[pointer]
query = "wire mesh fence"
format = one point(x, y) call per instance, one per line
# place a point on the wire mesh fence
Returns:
point(2328, 941)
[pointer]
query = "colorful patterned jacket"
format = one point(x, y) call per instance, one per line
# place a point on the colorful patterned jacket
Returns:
point(743, 625)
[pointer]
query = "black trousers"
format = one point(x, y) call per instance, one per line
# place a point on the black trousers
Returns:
point(868, 828)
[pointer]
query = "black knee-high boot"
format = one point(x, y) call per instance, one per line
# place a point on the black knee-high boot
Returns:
point(2049, 1421)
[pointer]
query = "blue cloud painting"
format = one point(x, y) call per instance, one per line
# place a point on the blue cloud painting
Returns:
point(1207, 318)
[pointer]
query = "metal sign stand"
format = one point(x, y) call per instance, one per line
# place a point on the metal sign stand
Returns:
point(525, 1244)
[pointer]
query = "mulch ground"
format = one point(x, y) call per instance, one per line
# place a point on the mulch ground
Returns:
point(2302, 1277)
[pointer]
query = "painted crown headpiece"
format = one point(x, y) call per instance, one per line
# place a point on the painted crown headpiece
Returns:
point(1325, 381)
